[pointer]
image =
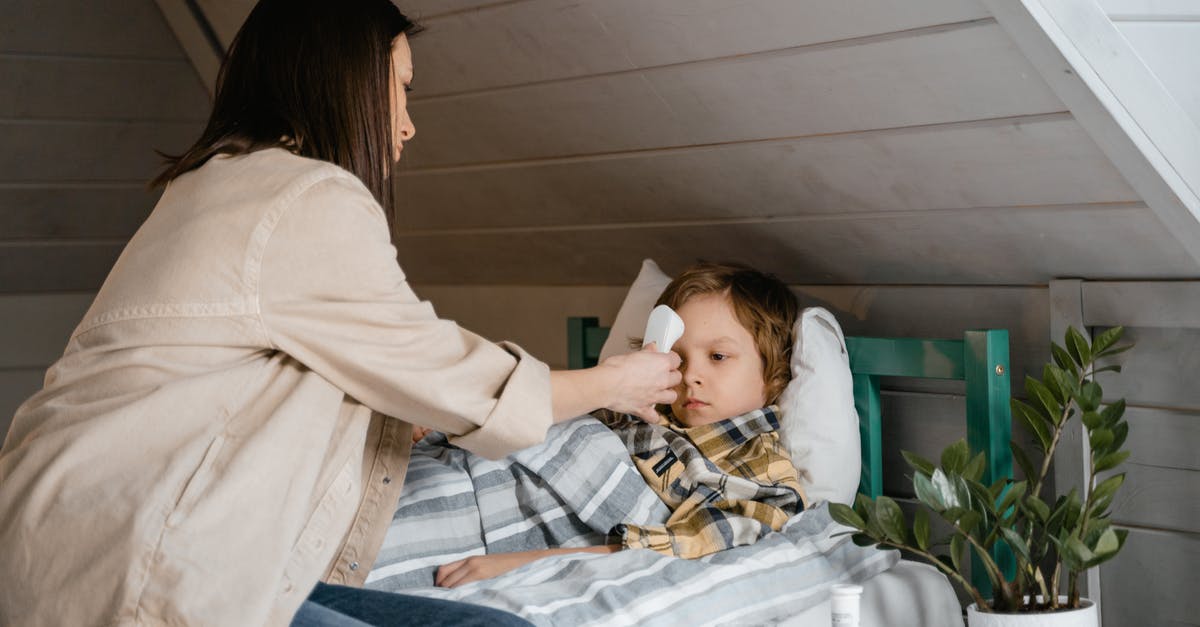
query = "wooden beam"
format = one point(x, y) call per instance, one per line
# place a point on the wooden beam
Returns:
point(197, 38)
point(1170, 304)
point(1118, 100)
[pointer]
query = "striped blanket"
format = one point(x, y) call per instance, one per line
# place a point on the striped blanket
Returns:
point(571, 491)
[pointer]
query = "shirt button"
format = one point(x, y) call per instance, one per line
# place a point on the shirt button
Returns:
point(387, 480)
point(353, 565)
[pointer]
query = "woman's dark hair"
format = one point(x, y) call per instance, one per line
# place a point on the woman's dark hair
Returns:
point(312, 77)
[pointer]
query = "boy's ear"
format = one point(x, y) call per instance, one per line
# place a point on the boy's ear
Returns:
point(773, 389)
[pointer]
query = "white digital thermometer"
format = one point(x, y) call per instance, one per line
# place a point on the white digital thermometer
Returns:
point(663, 328)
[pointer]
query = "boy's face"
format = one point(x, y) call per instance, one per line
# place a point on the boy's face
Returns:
point(722, 370)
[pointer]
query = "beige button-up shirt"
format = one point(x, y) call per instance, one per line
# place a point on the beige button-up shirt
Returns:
point(217, 435)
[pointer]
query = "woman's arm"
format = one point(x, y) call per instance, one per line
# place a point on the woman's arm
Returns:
point(479, 567)
point(631, 384)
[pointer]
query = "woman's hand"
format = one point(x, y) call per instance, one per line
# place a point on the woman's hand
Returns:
point(642, 380)
point(631, 384)
point(419, 433)
point(479, 567)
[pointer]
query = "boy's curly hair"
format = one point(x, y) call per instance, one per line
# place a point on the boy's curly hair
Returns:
point(762, 303)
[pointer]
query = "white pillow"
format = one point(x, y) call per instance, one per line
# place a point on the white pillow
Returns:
point(635, 310)
point(818, 425)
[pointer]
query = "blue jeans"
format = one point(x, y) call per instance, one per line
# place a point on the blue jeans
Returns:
point(343, 606)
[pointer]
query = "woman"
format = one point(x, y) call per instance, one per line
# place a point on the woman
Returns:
point(230, 422)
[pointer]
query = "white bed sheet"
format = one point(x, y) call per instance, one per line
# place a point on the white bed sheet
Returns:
point(910, 594)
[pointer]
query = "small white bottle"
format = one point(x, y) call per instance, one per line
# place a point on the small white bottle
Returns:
point(844, 605)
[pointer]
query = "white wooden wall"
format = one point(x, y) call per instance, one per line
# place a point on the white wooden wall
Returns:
point(1153, 580)
point(88, 91)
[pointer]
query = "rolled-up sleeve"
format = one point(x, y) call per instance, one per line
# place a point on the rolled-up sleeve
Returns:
point(332, 296)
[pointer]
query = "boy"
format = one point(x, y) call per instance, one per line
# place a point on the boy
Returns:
point(717, 461)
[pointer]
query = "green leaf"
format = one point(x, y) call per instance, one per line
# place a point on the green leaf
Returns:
point(1106, 547)
point(1120, 432)
point(1110, 461)
point(1063, 358)
point(862, 539)
point(1121, 535)
point(1034, 421)
point(954, 458)
point(984, 503)
point(1078, 551)
point(1099, 507)
point(1108, 487)
point(1015, 492)
point(1077, 345)
point(1091, 419)
point(1053, 377)
point(969, 519)
point(997, 488)
point(846, 516)
point(891, 519)
point(1074, 509)
point(1115, 351)
point(1107, 339)
point(1100, 439)
point(1038, 507)
point(921, 528)
point(1096, 527)
point(962, 490)
point(864, 506)
point(1023, 462)
point(975, 469)
point(917, 462)
point(1089, 396)
point(1113, 412)
point(1054, 523)
point(945, 489)
point(957, 544)
point(1016, 542)
point(1038, 390)
point(1112, 368)
point(927, 493)
point(952, 514)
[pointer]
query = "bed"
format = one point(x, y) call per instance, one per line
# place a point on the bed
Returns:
point(579, 483)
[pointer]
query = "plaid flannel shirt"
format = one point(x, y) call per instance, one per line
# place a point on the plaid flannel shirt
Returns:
point(727, 483)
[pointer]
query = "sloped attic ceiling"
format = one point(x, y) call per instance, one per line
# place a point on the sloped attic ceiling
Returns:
point(869, 141)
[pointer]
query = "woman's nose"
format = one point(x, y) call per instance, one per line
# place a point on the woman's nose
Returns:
point(408, 130)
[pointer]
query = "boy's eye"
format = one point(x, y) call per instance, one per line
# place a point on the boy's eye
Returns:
point(718, 356)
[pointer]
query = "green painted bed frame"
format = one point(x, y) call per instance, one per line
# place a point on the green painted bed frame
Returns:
point(980, 359)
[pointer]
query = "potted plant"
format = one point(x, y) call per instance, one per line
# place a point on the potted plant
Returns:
point(1054, 538)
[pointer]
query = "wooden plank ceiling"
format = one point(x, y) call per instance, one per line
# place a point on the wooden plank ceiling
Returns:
point(878, 141)
point(875, 141)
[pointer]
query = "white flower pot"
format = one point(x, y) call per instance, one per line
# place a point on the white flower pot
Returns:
point(1085, 616)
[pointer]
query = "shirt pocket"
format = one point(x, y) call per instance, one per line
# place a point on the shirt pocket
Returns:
point(196, 484)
